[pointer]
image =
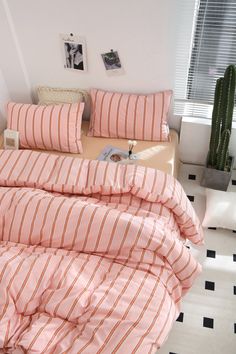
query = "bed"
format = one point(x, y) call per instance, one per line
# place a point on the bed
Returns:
point(92, 254)
point(160, 155)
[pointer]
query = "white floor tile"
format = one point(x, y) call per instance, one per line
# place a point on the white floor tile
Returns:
point(218, 301)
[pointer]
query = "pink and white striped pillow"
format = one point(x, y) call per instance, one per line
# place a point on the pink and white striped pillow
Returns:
point(54, 127)
point(121, 115)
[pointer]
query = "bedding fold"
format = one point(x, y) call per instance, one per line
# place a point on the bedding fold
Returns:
point(62, 174)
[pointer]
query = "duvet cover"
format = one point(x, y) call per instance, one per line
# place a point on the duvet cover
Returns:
point(92, 255)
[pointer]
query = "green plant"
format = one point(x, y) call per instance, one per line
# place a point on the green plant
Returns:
point(222, 116)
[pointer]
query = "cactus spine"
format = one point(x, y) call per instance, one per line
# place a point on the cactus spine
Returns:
point(223, 150)
point(222, 117)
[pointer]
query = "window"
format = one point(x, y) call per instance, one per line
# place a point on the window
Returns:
point(212, 49)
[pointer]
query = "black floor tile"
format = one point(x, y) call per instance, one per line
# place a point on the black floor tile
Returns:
point(191, 198)
point(209, 285)
point(192, 177)
point(211, 254)
point(208, 322)
point(181, 317)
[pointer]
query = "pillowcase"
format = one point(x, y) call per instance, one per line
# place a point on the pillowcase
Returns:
point(220, 209)
point(57, 95)
point(130, 116)
point(54, 127)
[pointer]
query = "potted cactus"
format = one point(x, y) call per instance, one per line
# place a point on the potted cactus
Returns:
point(218, 170)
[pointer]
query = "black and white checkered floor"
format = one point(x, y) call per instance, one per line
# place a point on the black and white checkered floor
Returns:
point(207, 323)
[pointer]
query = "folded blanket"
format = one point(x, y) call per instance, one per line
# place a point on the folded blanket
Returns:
point(91, 256)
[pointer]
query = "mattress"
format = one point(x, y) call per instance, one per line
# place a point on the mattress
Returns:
point(159, 155)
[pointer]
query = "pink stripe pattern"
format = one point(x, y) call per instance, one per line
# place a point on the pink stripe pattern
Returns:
point(130, 116)
point(92, 257)
point(47, 127)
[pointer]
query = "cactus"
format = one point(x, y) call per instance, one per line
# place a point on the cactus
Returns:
point(216, 123)
point(222, 116)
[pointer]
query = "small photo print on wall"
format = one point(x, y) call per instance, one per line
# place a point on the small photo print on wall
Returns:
point(74, 52)
point(112, 63)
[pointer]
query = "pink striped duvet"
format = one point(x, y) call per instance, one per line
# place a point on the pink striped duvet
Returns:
point(91, 255)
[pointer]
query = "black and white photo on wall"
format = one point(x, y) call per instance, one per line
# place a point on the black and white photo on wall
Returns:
point(74, 52)
point(112, 62)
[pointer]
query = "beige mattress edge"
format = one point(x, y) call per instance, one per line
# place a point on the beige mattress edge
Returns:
point(159, 155)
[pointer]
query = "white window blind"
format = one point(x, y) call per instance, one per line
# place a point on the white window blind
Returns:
point(204, 50)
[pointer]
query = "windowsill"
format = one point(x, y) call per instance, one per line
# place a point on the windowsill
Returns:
point(202, 121)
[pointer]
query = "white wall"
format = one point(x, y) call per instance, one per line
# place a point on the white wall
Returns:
point(4, 97)
point(194, 140)
point(11, 58)
point(142, 31)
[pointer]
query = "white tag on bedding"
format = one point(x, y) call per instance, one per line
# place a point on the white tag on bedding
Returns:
point(11, 139)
